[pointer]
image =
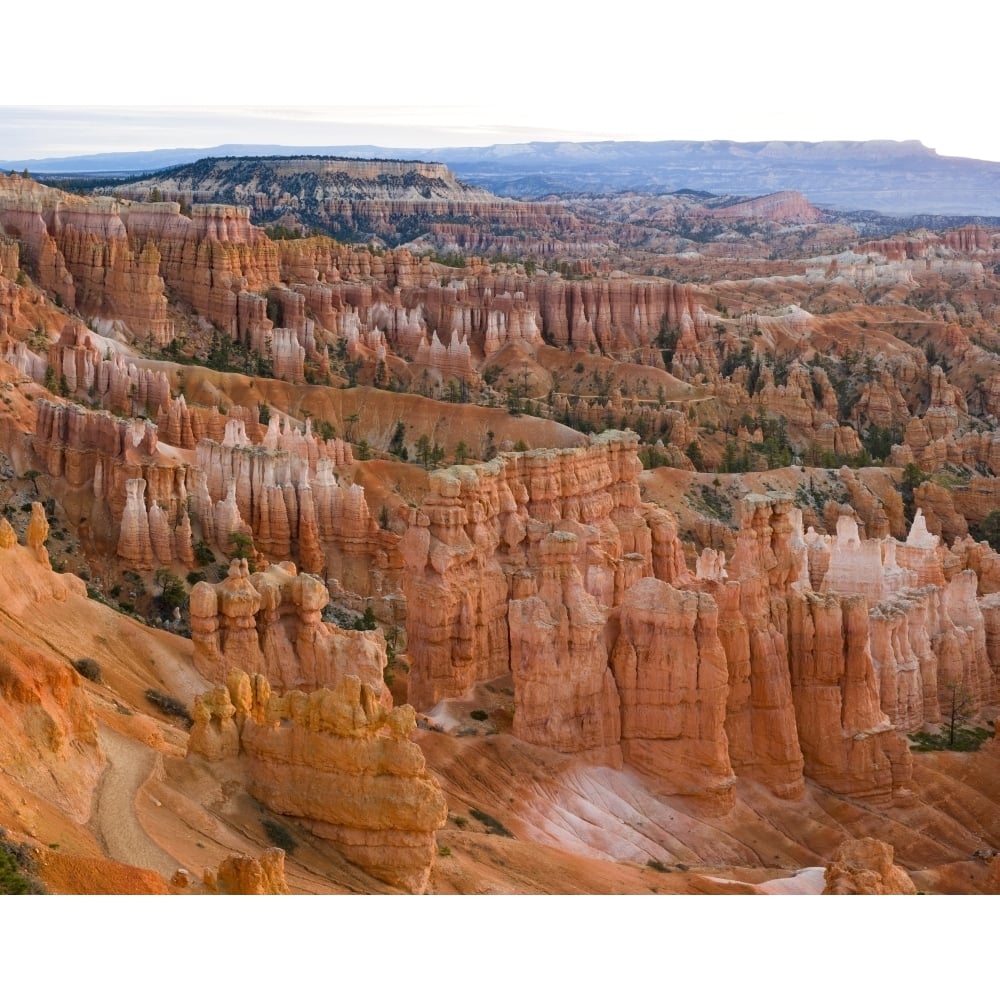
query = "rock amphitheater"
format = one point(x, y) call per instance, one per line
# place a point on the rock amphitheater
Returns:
point(331, 569)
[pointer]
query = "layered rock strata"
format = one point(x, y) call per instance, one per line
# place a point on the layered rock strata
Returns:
point(483, 525)
point(271, 624)
point(124, 491)
point(928, 635)
point(339, 762)
point(800, 657)
point(760, 718)
point(848, 743)
point(670, 668)
point(148, 501)
point(555, 623)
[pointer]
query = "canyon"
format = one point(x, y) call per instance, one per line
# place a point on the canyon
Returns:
point(647, 542)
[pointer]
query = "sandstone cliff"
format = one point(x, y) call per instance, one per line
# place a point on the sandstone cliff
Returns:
point(810, 655)
point(338, 761)
point(670, 668)
point(271, 623)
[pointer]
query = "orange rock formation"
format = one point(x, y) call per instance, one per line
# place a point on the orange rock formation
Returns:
point(271, 623)
point(338, 761)
point(48, 733)
point(242, 875)
point(865, 868)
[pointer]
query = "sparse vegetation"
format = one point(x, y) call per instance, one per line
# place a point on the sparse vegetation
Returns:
point(17, 868)
point(86, 667)
point(712, 501)
point(957, 708)
point(962, 739)
point(279, 835)
point(347, 619)
point(913, 476)
point(172, 591)
point(492, 824)
point(169, 706)
point(203, 554)
point(241, 547)
point(227, 355)
point(429, 455)
point(988, 530)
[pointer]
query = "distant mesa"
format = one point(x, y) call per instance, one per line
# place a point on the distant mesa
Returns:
point(881, 175)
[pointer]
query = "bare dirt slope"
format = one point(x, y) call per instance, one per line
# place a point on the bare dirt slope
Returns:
point(114, 820)
point(596, 814)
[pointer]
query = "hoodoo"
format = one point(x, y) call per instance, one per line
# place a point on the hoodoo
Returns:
point(362, 530)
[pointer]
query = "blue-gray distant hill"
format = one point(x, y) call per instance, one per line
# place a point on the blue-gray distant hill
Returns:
point(903, 178)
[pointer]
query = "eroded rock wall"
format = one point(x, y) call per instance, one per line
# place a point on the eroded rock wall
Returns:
point(801, 657)
point(671, 673)
point(338, 761)
point(270, 623)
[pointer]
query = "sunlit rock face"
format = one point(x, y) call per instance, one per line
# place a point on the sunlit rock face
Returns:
point(336, 759)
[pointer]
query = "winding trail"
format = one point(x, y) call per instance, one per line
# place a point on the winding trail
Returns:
point(114, 820)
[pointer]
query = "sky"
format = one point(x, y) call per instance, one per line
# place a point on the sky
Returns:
point(118, 77)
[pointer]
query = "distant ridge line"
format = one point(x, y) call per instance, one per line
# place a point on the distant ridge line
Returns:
point(887, 176)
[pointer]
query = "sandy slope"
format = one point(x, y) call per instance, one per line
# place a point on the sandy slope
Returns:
point(130, 764)
point(600, 816)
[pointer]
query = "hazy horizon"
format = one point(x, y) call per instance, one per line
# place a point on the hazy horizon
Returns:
point(28, 134)
point(468, 76)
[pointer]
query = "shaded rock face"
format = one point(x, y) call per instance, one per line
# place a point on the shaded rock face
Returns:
point(565, 693)
point(111, 474)
point(927, 635)
point(116, 279)
point(88, 363)
point(543, 563)
point(865, 868)
point(147, 500)
point(848, 744)
point(338, 761)
point(271, 623)
point(284, 493)
point(670, 669)
point(115, 262)
point(456, 597)
point(488, 533)
point(396, 302)
point(760, 715)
